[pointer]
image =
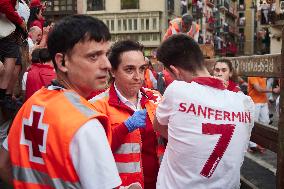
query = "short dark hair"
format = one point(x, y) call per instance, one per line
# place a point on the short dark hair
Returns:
point(187, 18)
point(120, 47)
point(73, 29)
point(181, 51)
point(44, 55)
point(35, 56)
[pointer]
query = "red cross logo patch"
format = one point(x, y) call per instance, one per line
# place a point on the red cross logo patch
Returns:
point(34, 134)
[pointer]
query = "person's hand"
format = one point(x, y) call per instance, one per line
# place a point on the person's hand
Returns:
point(46, 30)
point(137, 120)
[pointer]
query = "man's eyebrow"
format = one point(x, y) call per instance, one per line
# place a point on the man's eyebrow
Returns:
point(129, 66)
point(99, 52)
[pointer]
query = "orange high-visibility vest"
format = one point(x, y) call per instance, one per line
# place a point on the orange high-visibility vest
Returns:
point(128, 156)
point(40, 138)
point(176, 27)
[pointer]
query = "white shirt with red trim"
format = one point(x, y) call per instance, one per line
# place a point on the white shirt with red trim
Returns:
point(208, 133)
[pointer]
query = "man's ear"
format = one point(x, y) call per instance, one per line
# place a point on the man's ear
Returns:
point(175, 72)
point(60, 62)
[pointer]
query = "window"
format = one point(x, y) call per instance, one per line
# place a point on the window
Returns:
point(134, 37)
point(124, 24)
point(119, 25)
point(171, 5)
point(62, 5)
point(142, 24)
point(130, 24)
point(154, 23)
point(107, 23)
point(129, 4)
point(135, 24)
point(111, 25)
point(155, 37)
point(147, 24)
point(95, 5)
point(146, 37)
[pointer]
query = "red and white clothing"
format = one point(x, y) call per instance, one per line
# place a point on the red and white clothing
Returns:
point(38, 76)
point(208, 132)
point(7, 7)
point(89, 151)
point(232, 86)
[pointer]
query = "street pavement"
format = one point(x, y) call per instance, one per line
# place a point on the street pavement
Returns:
point(259, 169)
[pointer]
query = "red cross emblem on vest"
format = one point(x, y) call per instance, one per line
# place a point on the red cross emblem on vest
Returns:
point(34, 134)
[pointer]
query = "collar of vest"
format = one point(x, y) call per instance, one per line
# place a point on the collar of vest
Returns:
point(115, 101)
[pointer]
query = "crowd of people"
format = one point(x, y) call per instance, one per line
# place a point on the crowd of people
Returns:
point(97, 115)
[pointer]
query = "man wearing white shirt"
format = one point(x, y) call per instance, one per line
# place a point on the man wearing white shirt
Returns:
point(208, 127)
point(35, 35)
point(57, 139)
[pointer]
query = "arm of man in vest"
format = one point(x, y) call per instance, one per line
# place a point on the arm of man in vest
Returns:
point(161, 129)
point(5, 166)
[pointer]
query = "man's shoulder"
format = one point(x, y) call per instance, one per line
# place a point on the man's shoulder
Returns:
point(102, 97)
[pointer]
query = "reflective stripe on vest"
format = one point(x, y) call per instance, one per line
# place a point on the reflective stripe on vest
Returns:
point(75, 100)
point(173, 30)
point(100, 96)
point(129, 148)
point(132, 167)
point(32, 176)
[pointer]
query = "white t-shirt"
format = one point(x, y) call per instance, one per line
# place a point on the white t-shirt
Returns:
point(31, 45)
point(24, 81)
point(194, 114)
point(24, 10)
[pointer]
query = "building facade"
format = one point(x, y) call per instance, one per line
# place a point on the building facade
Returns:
point(218, 21)
point(141, 20)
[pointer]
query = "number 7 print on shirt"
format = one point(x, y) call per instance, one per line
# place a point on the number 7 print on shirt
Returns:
point(226, 131)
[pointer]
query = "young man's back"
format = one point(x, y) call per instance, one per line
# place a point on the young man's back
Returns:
point(208, 132)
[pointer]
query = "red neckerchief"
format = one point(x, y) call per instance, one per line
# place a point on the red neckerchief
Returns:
point(211, 82)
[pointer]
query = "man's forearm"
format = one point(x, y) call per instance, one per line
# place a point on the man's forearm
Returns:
point(5, 166)
point(161, 129)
